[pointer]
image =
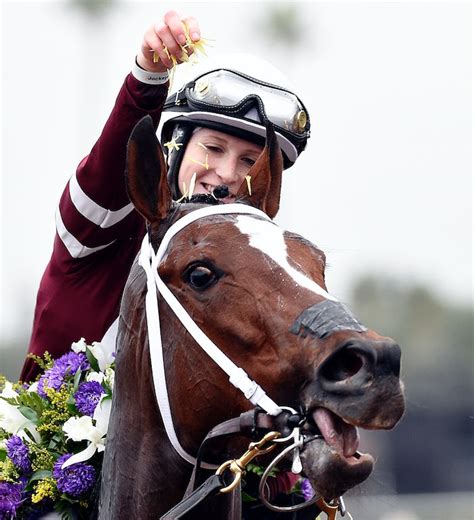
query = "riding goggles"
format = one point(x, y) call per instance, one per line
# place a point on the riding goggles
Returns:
point(233, 93)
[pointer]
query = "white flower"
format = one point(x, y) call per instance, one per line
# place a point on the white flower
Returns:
point(33, 387)
point(110, 377)
point(79, 346)
point(82, 429)
point(13, 421)
point(8, 391)
point(102, 413)
point(104, 356)
point(95, 376)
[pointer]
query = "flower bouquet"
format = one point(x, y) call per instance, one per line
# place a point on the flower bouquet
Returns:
point(52, 434)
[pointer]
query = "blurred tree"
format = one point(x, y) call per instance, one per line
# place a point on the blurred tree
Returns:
point(432, 446)
point(282, 24)
point(436, 336)
point(94, 8)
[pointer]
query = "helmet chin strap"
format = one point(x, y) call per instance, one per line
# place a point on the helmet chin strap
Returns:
point(155, 285)
point(181, 135)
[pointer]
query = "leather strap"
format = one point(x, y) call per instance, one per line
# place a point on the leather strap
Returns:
point(206, 490)
point(252, 424)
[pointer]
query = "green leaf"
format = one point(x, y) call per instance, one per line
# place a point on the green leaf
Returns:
point(78, 375)
point(40, 474)
point(71, 408)
point(247, 498)
point(92, 360)
point(30, 414)
point(34, 401)
point(11, 400)
point(254, 468)
point(56, 440)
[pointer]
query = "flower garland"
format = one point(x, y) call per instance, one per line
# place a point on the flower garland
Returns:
point(52, 434)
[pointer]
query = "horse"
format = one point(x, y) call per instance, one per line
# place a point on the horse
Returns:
point(257, 292)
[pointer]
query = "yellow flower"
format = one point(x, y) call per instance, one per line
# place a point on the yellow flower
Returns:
point(8, 471)
point(53, 418)
point(41, 458)
point(45, 488)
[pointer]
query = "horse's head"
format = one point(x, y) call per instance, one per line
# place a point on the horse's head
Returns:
point(258, 292)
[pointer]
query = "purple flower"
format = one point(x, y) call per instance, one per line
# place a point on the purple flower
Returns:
point(18, 452)
point(68, 364)
point(87, 396)
point(76, 479)
point(10, 499)
point(307, 489)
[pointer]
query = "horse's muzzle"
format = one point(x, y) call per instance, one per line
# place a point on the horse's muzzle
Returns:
point(360, 382)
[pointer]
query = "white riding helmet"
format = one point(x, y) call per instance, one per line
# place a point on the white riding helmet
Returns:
point(224, 94)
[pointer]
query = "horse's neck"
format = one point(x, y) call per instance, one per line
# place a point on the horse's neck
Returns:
point(142, 474)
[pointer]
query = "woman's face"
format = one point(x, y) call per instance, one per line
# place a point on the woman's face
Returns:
point(216, 158)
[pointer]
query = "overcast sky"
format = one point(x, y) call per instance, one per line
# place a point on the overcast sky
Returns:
point(384, 187)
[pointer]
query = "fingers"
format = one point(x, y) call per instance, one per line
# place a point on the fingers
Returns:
point(193, 28)
point(175, 25)
point(168, 45)
point(151, 44)
point(167, 39)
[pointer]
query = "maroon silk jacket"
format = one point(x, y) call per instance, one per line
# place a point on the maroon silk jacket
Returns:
point(98, 234)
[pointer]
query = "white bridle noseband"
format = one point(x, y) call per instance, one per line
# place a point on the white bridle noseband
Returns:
point(155, 285)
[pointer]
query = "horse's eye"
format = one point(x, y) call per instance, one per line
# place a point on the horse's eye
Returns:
point(200, 277)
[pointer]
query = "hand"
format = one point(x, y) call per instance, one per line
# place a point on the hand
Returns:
point(170, 33)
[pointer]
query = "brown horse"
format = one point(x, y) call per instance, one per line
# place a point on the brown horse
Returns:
point(258, 292)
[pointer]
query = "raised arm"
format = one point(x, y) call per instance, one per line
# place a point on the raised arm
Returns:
point(94, 210)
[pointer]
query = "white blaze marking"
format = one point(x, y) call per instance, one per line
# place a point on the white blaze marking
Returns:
point(268, 238)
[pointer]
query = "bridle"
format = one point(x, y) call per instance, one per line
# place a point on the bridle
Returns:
point(150, 261)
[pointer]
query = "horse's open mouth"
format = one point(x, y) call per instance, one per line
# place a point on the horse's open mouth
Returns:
point(333, 463)
point(337, 433)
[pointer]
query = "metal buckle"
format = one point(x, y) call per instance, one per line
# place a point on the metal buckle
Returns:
point(237, 466)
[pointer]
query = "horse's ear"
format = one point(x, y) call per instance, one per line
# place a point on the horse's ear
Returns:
point(146, 179)
point(265, 177)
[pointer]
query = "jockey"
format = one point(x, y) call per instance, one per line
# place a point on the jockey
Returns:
point(219, 101)
point(221, 112)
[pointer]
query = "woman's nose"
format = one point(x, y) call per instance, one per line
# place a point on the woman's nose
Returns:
point(227, 170)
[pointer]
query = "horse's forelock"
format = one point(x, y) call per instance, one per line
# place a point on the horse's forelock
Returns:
point(178, 210)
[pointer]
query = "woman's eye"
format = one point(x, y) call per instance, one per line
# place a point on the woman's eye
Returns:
point(200, 277)
point(249, 161)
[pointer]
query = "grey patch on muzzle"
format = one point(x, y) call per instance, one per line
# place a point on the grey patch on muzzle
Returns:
point(322, 319)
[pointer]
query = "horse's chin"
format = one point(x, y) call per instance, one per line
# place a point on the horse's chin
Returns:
point(332, 461)
point(330, 472)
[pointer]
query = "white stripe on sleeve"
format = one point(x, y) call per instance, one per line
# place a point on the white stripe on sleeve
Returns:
point(75, 248)
point(92, 211)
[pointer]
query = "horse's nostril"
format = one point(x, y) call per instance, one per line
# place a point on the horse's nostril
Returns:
point(345, 364)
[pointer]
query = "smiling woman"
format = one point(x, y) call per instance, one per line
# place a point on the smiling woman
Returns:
point(216, 158)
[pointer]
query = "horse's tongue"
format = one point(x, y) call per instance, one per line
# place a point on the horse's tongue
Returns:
point(341, 436)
